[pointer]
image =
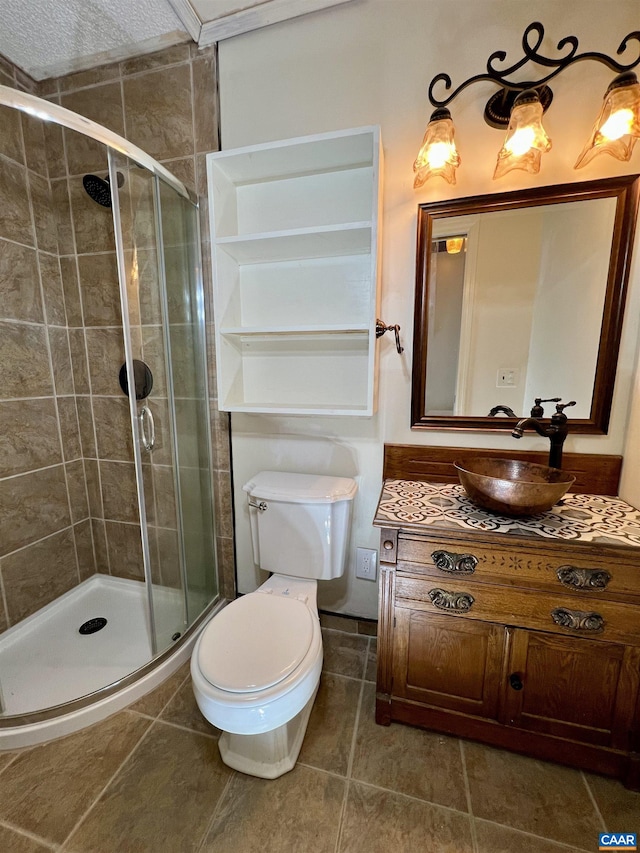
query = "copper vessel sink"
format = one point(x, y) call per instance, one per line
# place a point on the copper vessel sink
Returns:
point(511, 487)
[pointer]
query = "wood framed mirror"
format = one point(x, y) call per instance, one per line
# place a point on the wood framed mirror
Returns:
point(519, 296)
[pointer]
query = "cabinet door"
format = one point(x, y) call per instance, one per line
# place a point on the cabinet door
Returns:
point(571, 687)
point(447, 662)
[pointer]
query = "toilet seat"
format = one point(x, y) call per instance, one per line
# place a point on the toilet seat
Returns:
point(255, 642)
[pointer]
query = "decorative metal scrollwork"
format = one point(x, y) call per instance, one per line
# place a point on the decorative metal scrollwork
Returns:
point(447, 561)
point(578, 620)
point(458, 602)
point(583, 578)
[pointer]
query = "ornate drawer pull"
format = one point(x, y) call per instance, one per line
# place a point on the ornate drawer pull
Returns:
point(578, 620)
point(459, 602)
point(447, 561)
point(583, 578)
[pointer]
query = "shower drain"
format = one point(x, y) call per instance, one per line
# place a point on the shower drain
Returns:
point(92, 625)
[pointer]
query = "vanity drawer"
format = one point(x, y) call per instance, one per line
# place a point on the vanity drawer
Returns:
point(514, 565)
point(575, 615)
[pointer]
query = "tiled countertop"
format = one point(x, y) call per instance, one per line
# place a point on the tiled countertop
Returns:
point(586, 518)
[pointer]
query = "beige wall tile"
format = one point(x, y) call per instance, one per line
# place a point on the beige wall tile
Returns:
point(124, 546)
point(158, 112)
point(102, 104)
point(15, 214)
point(168, 56)
point(25, 361)
point(90, 77)
point(69, 270)
point(34, 502)
point(52, 289)
point(119, 494)
point(205, 98)
point(100, 290)
point(20, 297)
point(10, 134)
point(34, 144)
point(69, 428)
point(113, 428)
point(29, 435)
point(63, 373)
point(76, 484)
point(38, 574)
point(100, 546)
point(44, 214)
point(84, 549)
point(106, 356)
point(62, 211)
point(85, 423)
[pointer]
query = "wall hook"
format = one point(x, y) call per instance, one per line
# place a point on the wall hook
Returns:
point(381, 328)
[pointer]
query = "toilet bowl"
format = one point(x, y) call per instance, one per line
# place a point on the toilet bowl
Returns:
point(256, 666)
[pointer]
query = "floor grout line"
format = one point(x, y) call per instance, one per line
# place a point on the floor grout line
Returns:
point(51, 845)
point(214, 816)
point(124, 761)
point(354, 738)
point(594, 802)
point(467, 789)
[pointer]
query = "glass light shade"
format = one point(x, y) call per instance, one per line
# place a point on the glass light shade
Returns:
point(438, 154)
point(618, 125)
point(526, 140)
point(454, 245)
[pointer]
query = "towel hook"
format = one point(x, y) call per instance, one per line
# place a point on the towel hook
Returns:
point(381, 328)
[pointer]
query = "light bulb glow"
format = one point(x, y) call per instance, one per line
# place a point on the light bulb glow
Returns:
point(521, 141)
point(438, 154)
point(617, 125)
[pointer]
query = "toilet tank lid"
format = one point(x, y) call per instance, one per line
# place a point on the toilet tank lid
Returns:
point(300, 488)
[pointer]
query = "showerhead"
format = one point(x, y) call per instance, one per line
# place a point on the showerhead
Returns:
point(99, 189)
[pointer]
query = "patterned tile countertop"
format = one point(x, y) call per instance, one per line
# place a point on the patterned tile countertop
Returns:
point(587, 518)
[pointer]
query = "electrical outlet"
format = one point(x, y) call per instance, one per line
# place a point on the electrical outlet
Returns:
point(366, 563)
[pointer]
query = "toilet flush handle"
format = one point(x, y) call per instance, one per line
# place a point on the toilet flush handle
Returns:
point(261, 505)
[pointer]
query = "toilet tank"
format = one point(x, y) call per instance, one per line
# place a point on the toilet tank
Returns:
point(300, 523)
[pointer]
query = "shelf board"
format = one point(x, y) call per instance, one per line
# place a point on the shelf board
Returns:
point(300, 243)
point(284, 331)
point(301, 409)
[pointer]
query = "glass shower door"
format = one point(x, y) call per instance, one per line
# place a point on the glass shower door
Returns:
point(164, 333)
point(184, 327)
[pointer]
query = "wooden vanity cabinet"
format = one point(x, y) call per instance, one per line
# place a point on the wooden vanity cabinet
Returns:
point(515, 644)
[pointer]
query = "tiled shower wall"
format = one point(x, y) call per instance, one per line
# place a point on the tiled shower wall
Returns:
point(166, 104)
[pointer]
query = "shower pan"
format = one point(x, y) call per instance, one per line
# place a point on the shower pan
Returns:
point(107, 546)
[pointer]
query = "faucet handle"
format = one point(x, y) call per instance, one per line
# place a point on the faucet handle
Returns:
point(560, 407)
point(537, 411)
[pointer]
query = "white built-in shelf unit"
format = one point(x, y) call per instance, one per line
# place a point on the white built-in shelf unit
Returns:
point(294, 235)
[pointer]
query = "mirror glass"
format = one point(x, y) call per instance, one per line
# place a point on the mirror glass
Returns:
point(520, 296)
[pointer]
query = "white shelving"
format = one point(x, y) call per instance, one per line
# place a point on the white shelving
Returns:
point(294, 233)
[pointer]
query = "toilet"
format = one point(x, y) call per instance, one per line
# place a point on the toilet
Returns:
point(256, 665)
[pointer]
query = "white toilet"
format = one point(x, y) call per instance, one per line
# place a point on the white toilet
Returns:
point(256, 665)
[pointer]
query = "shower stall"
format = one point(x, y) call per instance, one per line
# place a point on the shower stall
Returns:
point(107, 545)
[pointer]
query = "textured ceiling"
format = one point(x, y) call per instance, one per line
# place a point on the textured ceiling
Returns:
point(50, 37)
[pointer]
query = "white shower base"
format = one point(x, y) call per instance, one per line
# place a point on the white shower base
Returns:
point(45, 661)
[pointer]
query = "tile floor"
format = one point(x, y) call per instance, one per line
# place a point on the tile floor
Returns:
point(150, 780)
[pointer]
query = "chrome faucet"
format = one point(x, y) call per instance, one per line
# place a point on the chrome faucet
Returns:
point(556, 431)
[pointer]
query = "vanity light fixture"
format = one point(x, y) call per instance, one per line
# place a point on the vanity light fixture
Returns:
point(519, 106)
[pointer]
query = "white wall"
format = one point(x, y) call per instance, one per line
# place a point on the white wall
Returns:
point(370, 62)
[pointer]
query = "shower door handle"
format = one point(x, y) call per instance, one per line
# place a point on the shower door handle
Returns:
point(148, 440)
